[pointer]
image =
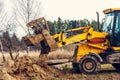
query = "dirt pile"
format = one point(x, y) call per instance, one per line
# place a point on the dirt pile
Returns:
point(27, 68)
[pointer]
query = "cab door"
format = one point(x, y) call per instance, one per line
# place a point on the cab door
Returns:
point(116, 30)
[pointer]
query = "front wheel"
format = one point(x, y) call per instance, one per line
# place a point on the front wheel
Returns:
point(89, 65)
point(116, 66)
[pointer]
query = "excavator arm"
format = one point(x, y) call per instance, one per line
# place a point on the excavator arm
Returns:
point(48, 42)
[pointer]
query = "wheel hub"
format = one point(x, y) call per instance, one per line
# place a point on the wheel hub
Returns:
point(89, 65)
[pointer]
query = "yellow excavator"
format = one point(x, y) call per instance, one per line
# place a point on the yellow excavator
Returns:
point(100, 47)
point(94, 47)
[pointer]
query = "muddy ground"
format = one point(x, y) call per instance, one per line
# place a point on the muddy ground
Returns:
point(27, 68)
point(107, 72)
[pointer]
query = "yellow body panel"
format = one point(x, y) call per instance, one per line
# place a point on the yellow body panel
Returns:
point(95, 34)
point(86, 48)
point(116, 48)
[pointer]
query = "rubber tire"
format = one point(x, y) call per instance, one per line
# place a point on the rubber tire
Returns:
point(95, 65)
point(116, 66)
point(75, 67)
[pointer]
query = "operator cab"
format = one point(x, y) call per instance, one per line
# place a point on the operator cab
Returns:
point(112, 25)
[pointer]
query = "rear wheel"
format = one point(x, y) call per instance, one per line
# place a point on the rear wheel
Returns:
point(116, 66)
point(89, 65)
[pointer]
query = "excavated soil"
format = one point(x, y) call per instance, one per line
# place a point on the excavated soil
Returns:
point(27, 68)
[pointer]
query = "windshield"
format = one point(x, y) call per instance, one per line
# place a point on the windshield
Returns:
point(108, 23)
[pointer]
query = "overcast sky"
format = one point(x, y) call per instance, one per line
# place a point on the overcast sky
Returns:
point(76, 9)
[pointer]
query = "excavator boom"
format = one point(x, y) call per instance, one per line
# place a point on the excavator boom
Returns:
point(71, 36)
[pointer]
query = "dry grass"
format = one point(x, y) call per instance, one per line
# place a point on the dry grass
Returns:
point(7, 56)
point(107, 67)
point(58, 54)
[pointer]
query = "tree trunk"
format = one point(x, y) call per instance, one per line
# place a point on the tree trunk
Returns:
point(2, 51)
point(10, 51)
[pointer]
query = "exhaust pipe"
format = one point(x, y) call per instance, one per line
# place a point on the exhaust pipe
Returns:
point(98, 28)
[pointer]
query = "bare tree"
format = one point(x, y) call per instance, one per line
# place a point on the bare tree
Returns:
point(5, 26)
point(7, 39)
point(7, 23)
point(26, 10)
point(1, 46)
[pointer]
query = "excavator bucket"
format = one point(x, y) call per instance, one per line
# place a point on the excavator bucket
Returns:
point(42, 32)
point(50, 40)
point(33, 40)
